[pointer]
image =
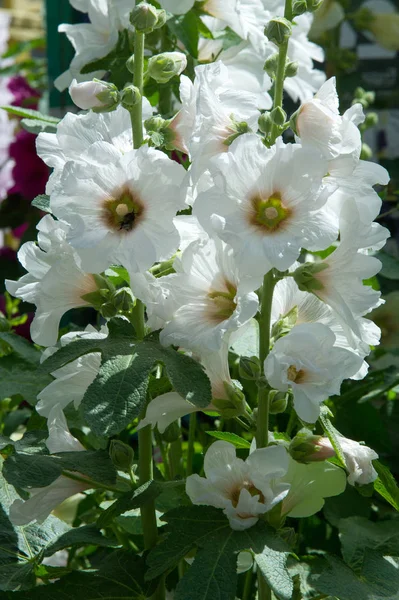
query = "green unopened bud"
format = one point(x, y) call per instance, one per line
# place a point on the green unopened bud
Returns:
point(233, 405)
point(278, 116)
point(265, 123)
point(99, 96)
point(305, 276)
point(291, 69)
point(161, 19)
point(285, 323)
point(144, 17)
point(278, 30)
point(123, 299)
point(313, 5)
point(163, 67)
point(108, 310)
point(371, 120)
point(238, 127)
point(249, 368)
point(271, 65)
point(369, 97)
point(172, 433)
point(278, 402)
point(293, 120)
point(307, 447)
point(122, 455)
point(299, 7)
point(366, 152)
point(130, 64)
point(130, 97)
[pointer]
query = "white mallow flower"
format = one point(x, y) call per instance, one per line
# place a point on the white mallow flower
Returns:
point(318, 123)
point(76, 133)
point(309, 485)
point(310, 309)
point(113, 205)
point(72, 380)
point(43, 500)
point(268, 204)
point(358, 459)
point(308, 362)
point(340, 282)
point(55, 281)
point(86, 94)
point(214, 110)
point(208, 297)
point(177, 7)
point(245, 490)
point(246, 18)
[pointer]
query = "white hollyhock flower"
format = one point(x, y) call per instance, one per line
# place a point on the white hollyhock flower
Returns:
point(309, 485)
point(358, 459)
point(43, 500)
point(209, 49)
point(327, 17)
point(76, 133)
point(72, 380)
point(246, 18)
point(208, 297)
point(113, 205)
point(85, 94)
point(340, 283)
point(244, 489)
point(308, 362)
point(55, 281)
point(318, 123)
point(214, 110)
point(177, 7)
point(268, 204)
point(310, 309)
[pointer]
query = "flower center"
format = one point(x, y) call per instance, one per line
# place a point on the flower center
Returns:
point(122, 211)
point(246, 485)
point(268, 214)
point(222, 304)
point(295, 375)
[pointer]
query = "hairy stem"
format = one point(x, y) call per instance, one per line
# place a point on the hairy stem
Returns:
point(191, 440)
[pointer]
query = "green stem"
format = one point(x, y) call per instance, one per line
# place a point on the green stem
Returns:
point(191, 440)
point(165, 91)
point(247, 586)
point(264, 592)
point(262, 431)
point(175, 456)
point(164, 453)
point(146, 474)
point(91, 482)
point(137, 319)
point(136, 114)
point(280, 74)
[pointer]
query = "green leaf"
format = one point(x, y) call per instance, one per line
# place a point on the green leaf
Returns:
point(331, 433)
point(118, 393)
point(214, 571)
point(379, 579)
point(390, 265)
point(80, 536)
point(144, 494)
point(120, 577)
point(19, 372)
point(186, 29)
point(357, 534)
point(37, 126)
point(114, 62)
point(386, 485)
point(28, 113)
point(27, 470)
point(234, 439)
point(42, 202)
point(273, 566)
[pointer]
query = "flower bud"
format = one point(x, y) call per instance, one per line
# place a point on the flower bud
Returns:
point(108, 310)
point(299, 7)
point(130, 64)
point(122, 455)
point(123, 299)
point(305, 276)
point(313, 5)
point(271, 65)
point(163, 67)
point(291, 69)
point(144, 17)
point(366, 152)
point(233, 405)
point(265, 123)
point(161, 19)
point(278, 116)
point(249, 368)
point(371, 120)
point(307, 447)
point(278, 402)
point(278, 30)
point(130, 96)
point(98, 95)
